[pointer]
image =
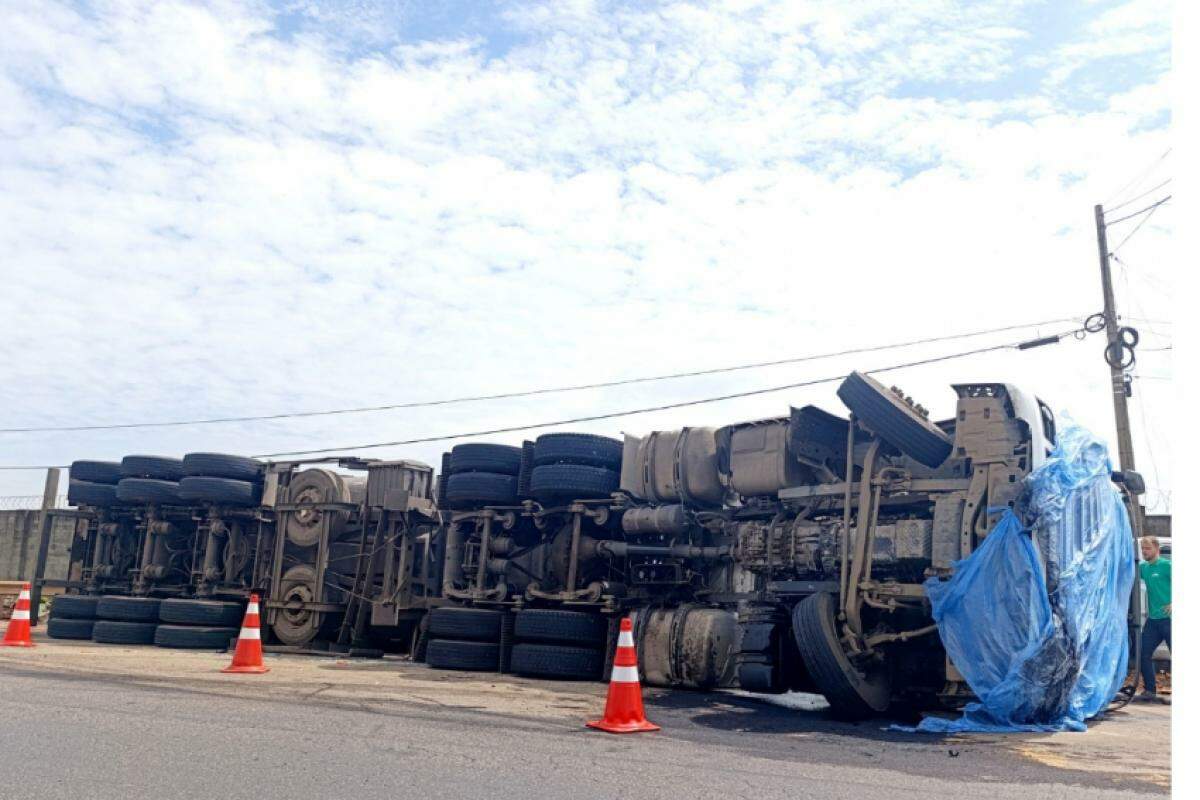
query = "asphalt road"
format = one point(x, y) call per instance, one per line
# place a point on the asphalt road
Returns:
point(84, 736)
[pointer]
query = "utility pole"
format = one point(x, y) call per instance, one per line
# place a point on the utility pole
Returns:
point(1120, 401)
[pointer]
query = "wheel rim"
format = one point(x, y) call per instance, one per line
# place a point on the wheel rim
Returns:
point(294, 624)
point(314, 486)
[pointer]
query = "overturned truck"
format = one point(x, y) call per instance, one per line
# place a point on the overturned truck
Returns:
point(779, 554)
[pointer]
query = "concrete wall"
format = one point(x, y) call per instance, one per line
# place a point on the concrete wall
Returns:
point(20, 535)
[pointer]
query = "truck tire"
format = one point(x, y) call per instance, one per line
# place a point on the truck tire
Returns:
point(319, 485)
point(73, 606)
point(557, 482)
point(220, 465)
point(471, 656)
point(195, 637)
point(473, 624)
point(114, 632)
point(295, 625)
point(564, 627)
point(443, 502)
point(577, 448)
point(852, 694)
point(501, 459)
point(96, 471)
point(471, 489)
point(558, 661)
point(220, 491)
point(157, 467)
point(128, 609)
point(148, 490)
point(67, 628)
point(83, 493)
point(212, 613)
point(893, 420)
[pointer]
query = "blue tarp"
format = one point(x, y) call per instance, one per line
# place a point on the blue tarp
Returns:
point(1035, 619)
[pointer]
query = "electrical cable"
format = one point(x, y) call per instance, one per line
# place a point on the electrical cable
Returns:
point(35, 466)
point(533, 392)
point(1137, 228)
point(1141, 176)
point(1150, 208)
point(1151, 190)
point(668, 406)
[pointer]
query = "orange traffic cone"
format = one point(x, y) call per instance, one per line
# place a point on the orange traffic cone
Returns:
point(248, 655)
point(18, 634)
point(623, 712)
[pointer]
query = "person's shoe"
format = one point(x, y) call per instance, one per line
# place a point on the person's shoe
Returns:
point(1146, 697)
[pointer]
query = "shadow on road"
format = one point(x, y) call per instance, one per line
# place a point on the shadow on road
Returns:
point(731, 712)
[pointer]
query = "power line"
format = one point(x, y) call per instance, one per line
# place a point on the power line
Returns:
point(667, 406)
point(1138, 227)
point(1149, 208)
point(1146, 275)
point(1151, 190)
point(1141, 176)
point(36, 466)
point(535, 392)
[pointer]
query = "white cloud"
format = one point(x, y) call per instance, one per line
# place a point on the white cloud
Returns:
point(203, 218)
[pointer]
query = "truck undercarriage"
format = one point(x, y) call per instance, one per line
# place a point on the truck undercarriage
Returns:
point(780, 554)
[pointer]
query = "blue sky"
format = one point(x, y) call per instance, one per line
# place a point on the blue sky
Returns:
point(226, 208)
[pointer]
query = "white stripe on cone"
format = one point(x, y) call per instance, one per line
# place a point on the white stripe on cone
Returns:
point(249, 633)
point(22, 613)
point(624, 675)
point(24, 595)
point(252, 608)
point(625, 639)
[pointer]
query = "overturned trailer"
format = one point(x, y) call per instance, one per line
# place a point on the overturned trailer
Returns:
point(342, 551)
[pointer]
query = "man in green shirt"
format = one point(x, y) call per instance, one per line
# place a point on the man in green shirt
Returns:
point(1155, 571)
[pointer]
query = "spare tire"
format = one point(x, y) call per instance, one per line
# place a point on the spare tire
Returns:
point(558, 661)
point(84, 493)
point(65, 628)
point(557, 482)
point(501, 459)
point(894, 420)
point(194, 637)
point(472, 656)
point(148, 490)
point(577, 448)
point(474, 624)
point(472, 489)
point(555, 625)
point(96, 471)
point(214, 613)
point(319, 485)
point(135, 609)
point(160, 467)
point(73, 606)
point(112, 632)
point(220, 465)
point(296, 625)
point(220, 491)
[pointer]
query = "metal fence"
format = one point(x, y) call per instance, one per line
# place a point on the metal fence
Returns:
point(22, 502)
